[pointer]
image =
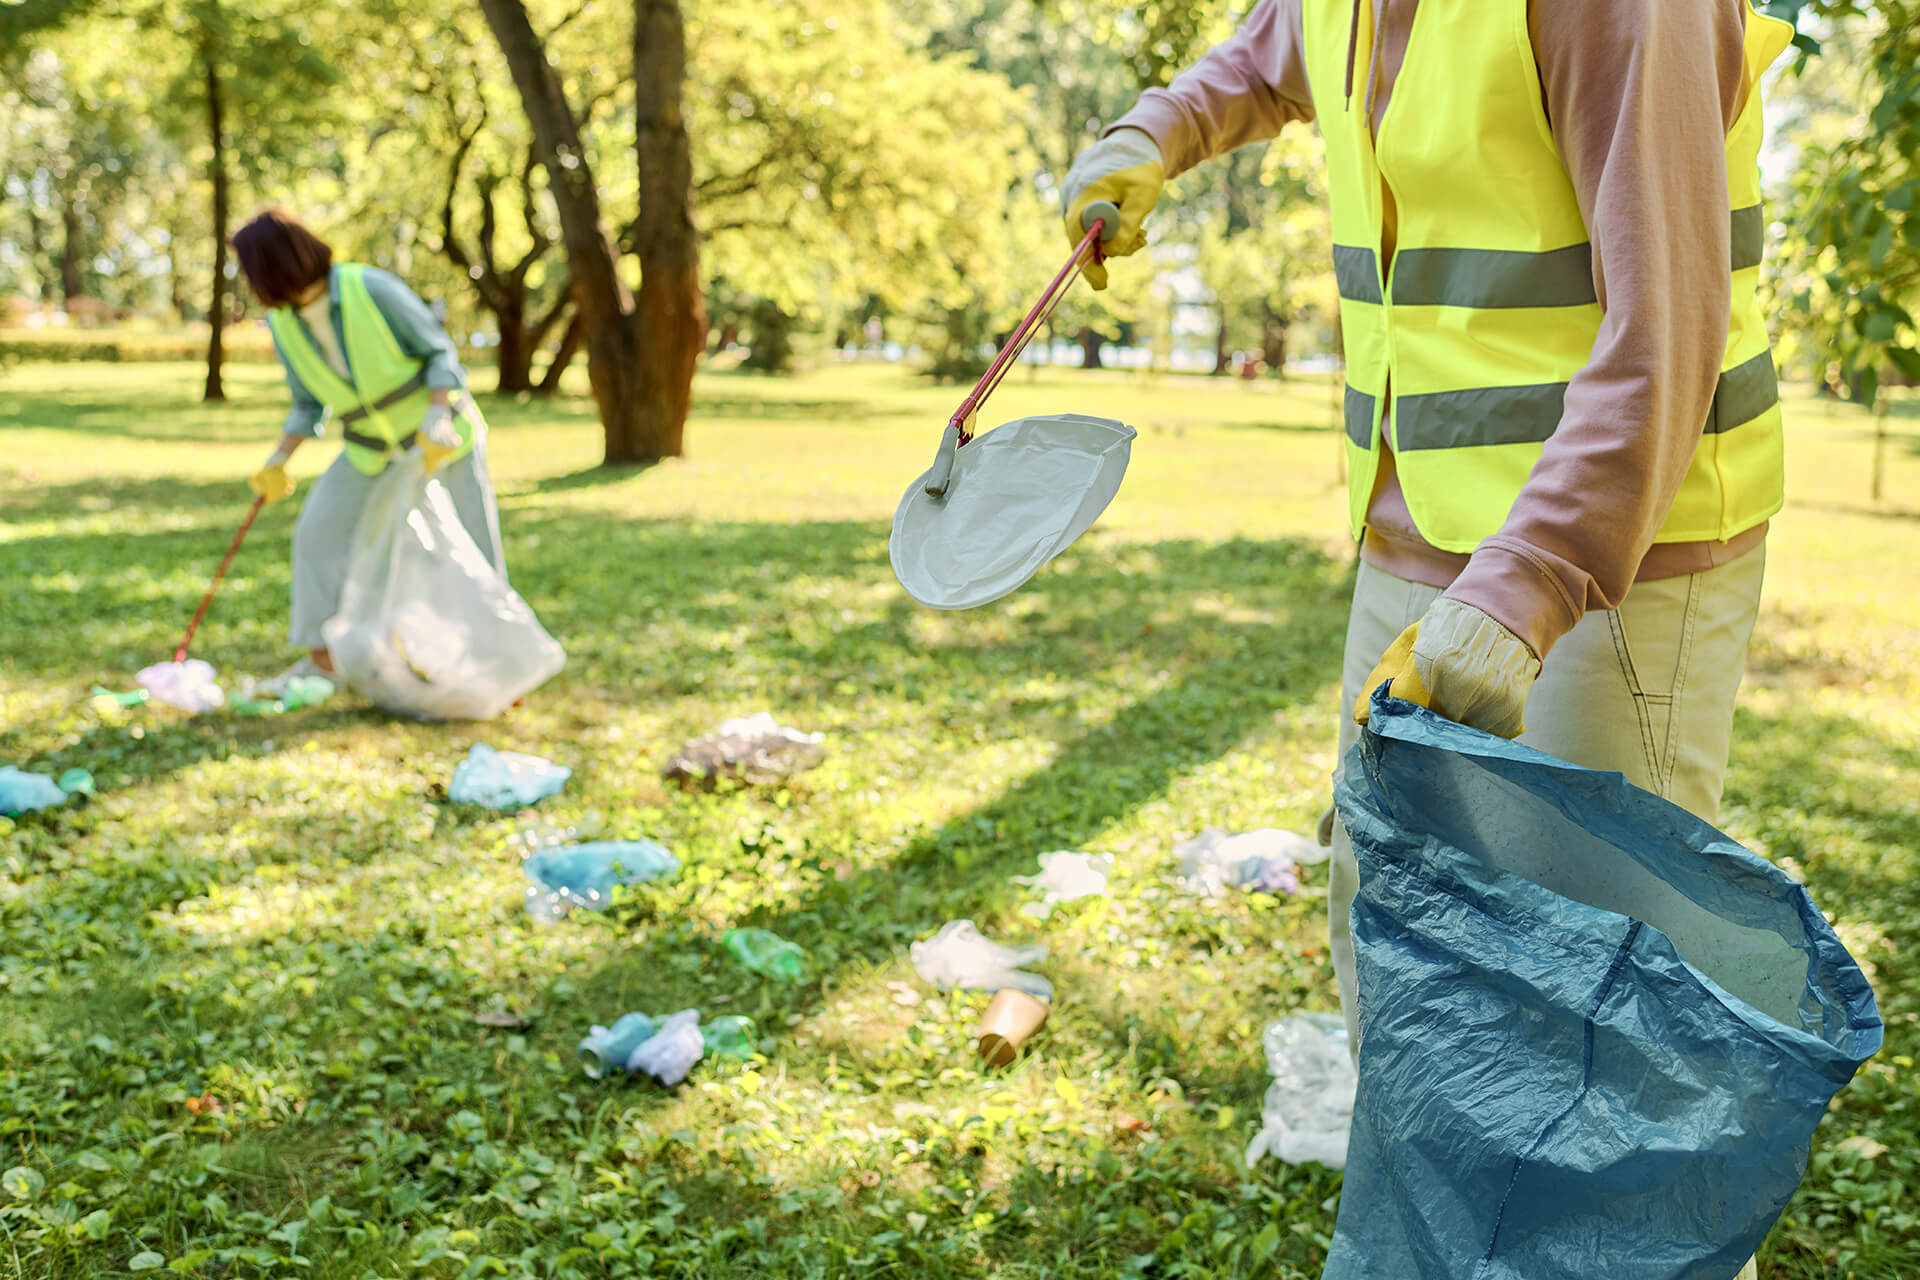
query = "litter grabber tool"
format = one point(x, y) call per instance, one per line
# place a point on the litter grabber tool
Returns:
point(189, 685)
point(995, 507)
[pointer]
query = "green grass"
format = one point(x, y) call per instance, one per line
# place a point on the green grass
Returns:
point(283, 915)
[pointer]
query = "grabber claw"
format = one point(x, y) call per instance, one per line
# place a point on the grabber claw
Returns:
point(942, 473)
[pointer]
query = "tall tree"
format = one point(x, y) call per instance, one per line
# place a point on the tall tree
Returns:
point(641, 351)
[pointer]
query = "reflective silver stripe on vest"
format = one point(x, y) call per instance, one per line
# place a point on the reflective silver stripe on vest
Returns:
point(1745, 392)
point(1360, 418)
point(1494, 278)
point(1529, 415)
point(386, 401)
point(1749, 237)
point(1356, 274)
point(1491, 279)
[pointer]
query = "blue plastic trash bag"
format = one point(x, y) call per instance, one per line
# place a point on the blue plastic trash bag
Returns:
point(583, 875)
point(505, 779)
point(1596, 1034)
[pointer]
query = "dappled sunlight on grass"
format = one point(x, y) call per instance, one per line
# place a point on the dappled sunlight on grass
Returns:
point(286, 917)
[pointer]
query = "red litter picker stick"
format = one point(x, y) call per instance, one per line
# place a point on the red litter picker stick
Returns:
point(180, 654)
point(1101, 219)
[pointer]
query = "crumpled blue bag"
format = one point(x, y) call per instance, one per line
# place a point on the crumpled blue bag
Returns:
point(1596, 1034)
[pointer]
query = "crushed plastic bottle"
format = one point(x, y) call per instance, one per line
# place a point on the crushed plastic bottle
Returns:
point(187, 685)
point(670, 1052)
point(278, 699)
point(766, 953)
point(756, 749)
point(1309, 1105)
point(605, 1050)
point(584, 875)
point(1263, 861)
point(1066, 876)
point(23, 792)
point(76, 782)
point(105, 697)
point(505, 779)
point(730, 1037)
point(959, 955)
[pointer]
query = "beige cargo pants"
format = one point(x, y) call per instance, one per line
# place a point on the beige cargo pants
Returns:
point(1646, 689)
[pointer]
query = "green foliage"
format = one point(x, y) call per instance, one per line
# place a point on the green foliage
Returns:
point(237, 1032)
point(71, 348)
point(1856, 236)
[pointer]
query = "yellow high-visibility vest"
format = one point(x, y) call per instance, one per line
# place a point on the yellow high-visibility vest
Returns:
point(1488, 307)
point(388, 386)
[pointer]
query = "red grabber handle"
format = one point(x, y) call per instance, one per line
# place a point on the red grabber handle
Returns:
point(1101, 219)
point(180, 654)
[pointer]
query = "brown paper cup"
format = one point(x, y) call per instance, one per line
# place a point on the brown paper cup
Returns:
point(1012, 1016)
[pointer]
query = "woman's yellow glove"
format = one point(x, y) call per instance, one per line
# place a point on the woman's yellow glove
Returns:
point(1459, 663)
point(272, 482)
point(1125, 167)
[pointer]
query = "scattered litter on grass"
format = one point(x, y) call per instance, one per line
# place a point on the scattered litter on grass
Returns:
point(105, 697)
point(277, 697)
point(756, 749)
point(188, 685)
point(1066, 876)
point(505, 779)
point(960, 956)
point(670, 1052)
point(584, 875)
point(502, 1019)
point(766, 953)
point(1309, 1105)
point(730, 1037)
point(1011, 1018)
point(1263, 861)
point(23, 792)
point(606, 1049)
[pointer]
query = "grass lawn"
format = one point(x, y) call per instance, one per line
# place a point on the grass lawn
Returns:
point(237, 992)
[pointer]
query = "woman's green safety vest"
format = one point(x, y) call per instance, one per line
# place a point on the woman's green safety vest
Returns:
point(1467, 344)
point(379, 410)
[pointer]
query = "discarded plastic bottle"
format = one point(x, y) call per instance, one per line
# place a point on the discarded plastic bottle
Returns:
point(766, 953)
point(605, 1050)
point(730, 1037)
point(584, 875)
point(76, 782)
point(300, 691)
point(131, 698)
point(23, 792)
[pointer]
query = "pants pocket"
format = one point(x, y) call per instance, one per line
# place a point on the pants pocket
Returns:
point(1653, 635)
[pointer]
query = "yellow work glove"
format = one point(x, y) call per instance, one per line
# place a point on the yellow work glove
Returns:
point(1126, 168)
point(1460, 663)
point(272, 481)
point(439, 440)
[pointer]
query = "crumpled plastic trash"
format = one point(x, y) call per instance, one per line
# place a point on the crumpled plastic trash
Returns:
point(756, 749)
point(1066, 876)
point(584, 875)
point(606, 1049)
point(959, 955)
point(23, 792)
point(1262, 861)
point(274, 698)
point(766, 953)
point(107, 697)
point(505, 779)
point(1309, 1105)
point(730, 1037)
point(187, 685)
point(670, 1052)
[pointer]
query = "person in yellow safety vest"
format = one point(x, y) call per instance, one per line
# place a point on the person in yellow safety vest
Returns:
point(1562, 422)
point(361, 352)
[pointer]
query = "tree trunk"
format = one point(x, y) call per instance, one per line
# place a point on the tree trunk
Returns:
point(71, 252)
point(614, 360)
point(1879, 445)
point(1273, 348)
point(217, 309)
point(1090, 349)
point(569, 347)
point(672, 310)
point(1222, 356)
point(176, 278)
point(515, 350)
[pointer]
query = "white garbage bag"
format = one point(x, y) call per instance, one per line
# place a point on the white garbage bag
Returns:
point(427, 626)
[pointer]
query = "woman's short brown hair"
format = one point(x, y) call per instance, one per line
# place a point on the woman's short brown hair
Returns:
point(280, 257)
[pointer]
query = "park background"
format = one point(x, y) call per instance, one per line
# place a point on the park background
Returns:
point(239, 990)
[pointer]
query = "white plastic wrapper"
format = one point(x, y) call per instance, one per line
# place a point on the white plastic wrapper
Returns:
point(1066, 876)
point(959, 955)
point(670, 1052)
point(1262, 861)
point(1309, 1105)
point(187, 685)
point(427, 627)
point(1019, 495)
